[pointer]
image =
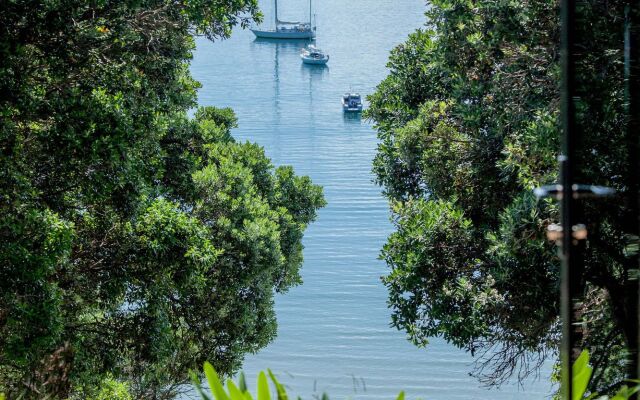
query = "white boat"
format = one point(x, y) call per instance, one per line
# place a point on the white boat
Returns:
point(313, 55)
point(287, 29)
point(352, 102)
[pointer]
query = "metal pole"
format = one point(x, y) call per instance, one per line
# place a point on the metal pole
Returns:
point(275, 6)
point(632, 92)
point(567, 170)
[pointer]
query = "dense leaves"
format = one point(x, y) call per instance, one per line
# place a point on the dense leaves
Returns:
point(468, 126)
point(135, 241)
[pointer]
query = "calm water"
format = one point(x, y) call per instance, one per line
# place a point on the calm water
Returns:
point(334, 332)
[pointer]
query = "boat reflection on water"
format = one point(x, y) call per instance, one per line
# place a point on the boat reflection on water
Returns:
point(281, 43)
point(352, 117)
point(315, 71)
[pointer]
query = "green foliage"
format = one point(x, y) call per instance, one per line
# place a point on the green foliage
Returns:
point(421, 225)
point(582, 373)
point(111, 389)
point(135, 242)
point(468, 126)
point(240, 391)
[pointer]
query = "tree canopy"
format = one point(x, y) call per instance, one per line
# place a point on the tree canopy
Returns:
point(468, 126)
point(136, 242)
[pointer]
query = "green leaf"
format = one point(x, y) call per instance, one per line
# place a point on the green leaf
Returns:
point(625, 393)
point(581, 363)
point(263, 387)
point(400, 396)
point(242, 383)
point(581, 375)
point(282, 393)
point(234, 392)
point(214, 382)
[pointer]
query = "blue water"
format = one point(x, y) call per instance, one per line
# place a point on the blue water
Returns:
point(333, 331)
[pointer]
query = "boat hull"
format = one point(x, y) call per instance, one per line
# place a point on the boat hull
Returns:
point(283, 34)
point(348, 108)
point(315, 61)
point(352, 109)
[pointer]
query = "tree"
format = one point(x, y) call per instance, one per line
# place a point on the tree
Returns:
point(468, 127)
point(135, 242)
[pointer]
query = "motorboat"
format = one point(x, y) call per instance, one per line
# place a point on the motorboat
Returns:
point(352, 102)
point(313, 55)
point(287, 29)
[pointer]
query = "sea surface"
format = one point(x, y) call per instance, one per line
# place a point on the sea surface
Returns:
point(333, 331)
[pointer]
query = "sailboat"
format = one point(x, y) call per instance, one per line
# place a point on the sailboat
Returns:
point(287, 29)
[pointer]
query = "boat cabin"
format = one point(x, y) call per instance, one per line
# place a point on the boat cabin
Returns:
point(352, 102)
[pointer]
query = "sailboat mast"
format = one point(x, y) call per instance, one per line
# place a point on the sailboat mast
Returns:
point(275, 2)
point(310, 22)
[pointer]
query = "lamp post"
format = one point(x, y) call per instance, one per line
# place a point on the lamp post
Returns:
point(571, 234)
point(632, 105)
point(571, 261)
point(571, 243)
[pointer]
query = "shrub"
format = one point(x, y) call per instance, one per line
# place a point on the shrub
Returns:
point(240, 391)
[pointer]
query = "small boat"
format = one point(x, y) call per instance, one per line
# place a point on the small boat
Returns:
point(287, 29)
point(313, 55)
point(351, 102)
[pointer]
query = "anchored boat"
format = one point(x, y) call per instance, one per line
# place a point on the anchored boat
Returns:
point(313, 55)
point(352, 102)
point(287, 29)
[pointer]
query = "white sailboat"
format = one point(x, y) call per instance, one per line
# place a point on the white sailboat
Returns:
point(313, 55)
point(288, 29)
